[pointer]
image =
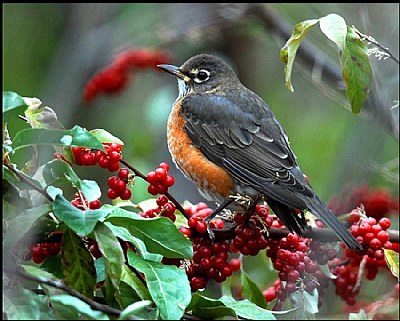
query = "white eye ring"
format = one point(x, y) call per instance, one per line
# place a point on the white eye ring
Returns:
point(202, 76)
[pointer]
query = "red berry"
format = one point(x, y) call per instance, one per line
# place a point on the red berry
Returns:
point(161, 200)
point(111, 181)
point(165, 166)
point(169, 181)
point(126, 194)
point(123, 173)
point(201, 227)
point(152, 189)
point(119, 187)
point(384, 222)
point(151, 178)
point(112, 194)
point(227, 270)
point(235, 264)
point(94, 205)
point(161, 173)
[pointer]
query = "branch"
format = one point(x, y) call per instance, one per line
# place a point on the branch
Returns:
point(27, 181)
point(168, 195)
point(59, 285)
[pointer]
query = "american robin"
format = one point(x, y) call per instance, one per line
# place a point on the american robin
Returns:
point(226, 139)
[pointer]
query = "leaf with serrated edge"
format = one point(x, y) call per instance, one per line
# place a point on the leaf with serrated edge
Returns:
point(168, 285)
point(78, 266)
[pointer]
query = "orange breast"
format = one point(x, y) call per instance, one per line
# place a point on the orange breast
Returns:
point(210, 178)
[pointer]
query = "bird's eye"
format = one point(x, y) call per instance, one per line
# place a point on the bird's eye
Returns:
point(202, 76)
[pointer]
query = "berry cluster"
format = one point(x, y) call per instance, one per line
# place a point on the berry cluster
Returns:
point(377, 203)
point(80, 202)
point(118, 184)
point(109, 159)
point(159, 180)
point(115, 77)
point(165, 208)
point(345, 282)
point(40, 251)
point(249, 239)
point(292, 258)
point(197, 215)
point(210, 261)
point(374, 238)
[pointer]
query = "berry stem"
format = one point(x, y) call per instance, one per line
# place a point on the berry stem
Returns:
point(170, 197)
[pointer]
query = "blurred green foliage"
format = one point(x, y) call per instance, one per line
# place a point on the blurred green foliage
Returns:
point(50, 51)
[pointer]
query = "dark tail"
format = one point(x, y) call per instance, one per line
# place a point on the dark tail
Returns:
point(319, 209)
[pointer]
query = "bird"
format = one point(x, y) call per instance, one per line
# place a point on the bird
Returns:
point(226, 139)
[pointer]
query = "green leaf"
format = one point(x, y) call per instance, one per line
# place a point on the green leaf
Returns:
point(22, 304)
point(288, 52)
point(209, 308)
point(247, 310)
point(71, 308)
point(12, 100)
point(135, 283)
point(168, 285)
point(20, 225)
point(82, 222)
point(392, 260)
point(251, 291)
point(76, 136)
point(113, 260)
point(356, 70)
point(100, 269)
point(77, 263)
point(105, 137)
point(57, 169)
point(159, 234)
point(134, 309)
point(124, 234)
point(41, 117)
point(335, 28)
point(10, 177)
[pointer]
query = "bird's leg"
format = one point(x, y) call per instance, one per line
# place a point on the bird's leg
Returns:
point(219, 209)
point(224, 204)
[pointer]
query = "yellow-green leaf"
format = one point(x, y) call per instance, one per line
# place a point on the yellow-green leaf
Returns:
point(288, 52)
point(392, 260)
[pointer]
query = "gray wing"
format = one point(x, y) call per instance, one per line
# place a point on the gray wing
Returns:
point(240, 134)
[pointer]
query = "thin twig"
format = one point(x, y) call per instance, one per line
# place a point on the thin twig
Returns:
point(59, 285)
point(27, 181)
point(168, 195)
